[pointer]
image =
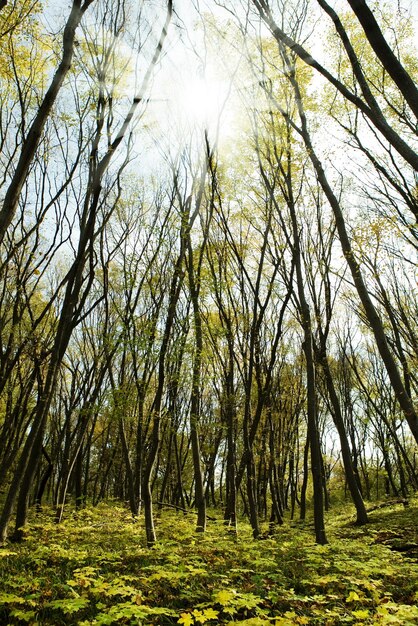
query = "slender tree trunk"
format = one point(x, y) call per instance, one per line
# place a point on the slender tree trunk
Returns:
point(276, 509)
point(44, 480)
point(149, 465)
point(302, 514)
point(230, 515)
point(337, 417)
point(180, 488)
point(200, 501)
point(78, 479)
point(25, 486)
point(285, 166)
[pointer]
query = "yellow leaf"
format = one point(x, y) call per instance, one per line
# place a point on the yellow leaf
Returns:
point(224, 596)
point(186, 619)
point(210, 613)
point(361, 614)
point(352, 597)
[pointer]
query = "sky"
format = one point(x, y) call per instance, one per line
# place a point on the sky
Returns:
point(191, 89)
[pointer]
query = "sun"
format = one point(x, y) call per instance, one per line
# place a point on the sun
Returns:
point(192, 99)
point(202, 100)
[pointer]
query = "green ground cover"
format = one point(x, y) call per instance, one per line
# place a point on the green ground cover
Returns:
point(93, 568)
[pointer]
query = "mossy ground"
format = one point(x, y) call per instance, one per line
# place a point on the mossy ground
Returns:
point(94, 568)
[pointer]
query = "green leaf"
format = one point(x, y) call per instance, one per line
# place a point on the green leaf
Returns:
point(11, 598)
point(70, 605)
point(24, 616)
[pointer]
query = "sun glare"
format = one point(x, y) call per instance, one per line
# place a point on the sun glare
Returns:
point(201, 101)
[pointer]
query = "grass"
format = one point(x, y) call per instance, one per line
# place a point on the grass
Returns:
point(93, 568)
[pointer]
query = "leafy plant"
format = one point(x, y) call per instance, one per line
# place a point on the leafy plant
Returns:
point(93, 570)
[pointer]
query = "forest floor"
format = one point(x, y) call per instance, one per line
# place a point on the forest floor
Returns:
point(94, 568)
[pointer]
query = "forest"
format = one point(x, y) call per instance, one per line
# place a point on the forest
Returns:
point(208, 286)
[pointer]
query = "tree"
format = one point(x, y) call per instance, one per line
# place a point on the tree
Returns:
point(34, 134)
point(366, 104)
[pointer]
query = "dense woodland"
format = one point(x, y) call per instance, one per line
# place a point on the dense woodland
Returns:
point(210, 302)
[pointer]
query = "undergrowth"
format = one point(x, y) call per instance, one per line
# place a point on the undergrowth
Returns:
point(93, 569)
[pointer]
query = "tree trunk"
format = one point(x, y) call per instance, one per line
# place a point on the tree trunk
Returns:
point(385, 54)
point(337, 417)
